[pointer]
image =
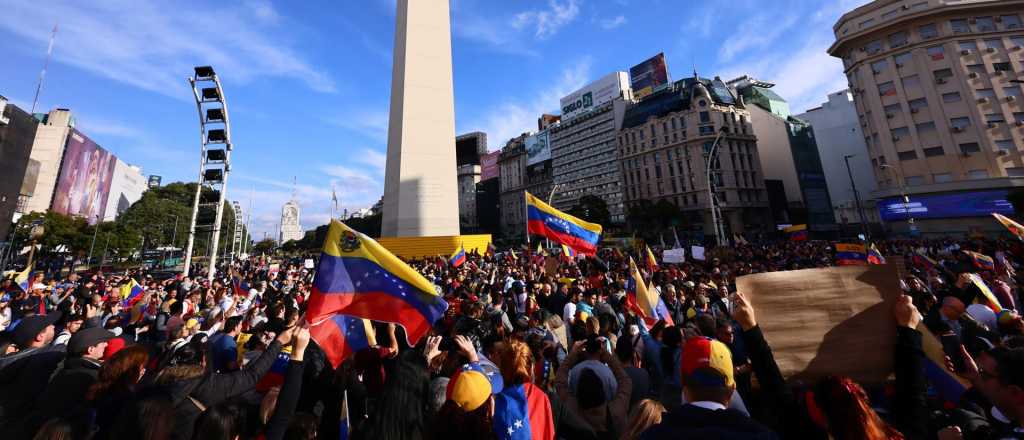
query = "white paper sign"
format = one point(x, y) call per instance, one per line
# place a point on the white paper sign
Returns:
point(673, 255)
point(697, 252)
point(309, 263)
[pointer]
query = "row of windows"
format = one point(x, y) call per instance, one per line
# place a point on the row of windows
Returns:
point(941, 76)
point(938, 53)
point(931, 30)
point(948, 177)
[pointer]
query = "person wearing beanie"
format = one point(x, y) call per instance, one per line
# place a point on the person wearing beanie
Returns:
point(591, 382)
point(24, 373)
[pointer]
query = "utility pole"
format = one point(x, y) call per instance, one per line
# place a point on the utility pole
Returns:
point(95, 229)
point(720, 239)
point(856, 197)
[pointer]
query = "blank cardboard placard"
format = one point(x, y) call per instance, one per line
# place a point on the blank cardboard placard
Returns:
point(831, 321)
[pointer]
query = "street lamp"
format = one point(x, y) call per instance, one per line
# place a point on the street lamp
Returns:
point(856, 198)
point(715, 213)
point(903, 194)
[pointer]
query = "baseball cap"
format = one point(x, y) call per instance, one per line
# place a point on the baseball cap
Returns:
point(473, 384)
point(31, 326)
point(707, 362)
point(87, 337)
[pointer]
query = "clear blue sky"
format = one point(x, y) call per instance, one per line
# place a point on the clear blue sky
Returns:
point(308, 82)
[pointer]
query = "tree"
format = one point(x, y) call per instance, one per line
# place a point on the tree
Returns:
point(592, 209)
point(264, 246)
point(369, 225)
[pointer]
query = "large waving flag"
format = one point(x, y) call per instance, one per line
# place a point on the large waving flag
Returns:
point(458, 257)
point(25, 279)
point(851, 254)
point(796, 232)
point(1014, 227)
point(240, 287)
point(921, 260)
point(652, 263)
point(560, 227)
point(948, 385)
point(874, 255)
point(990, 298)
point(523, 412)
point(643, 301)
point(359, 278)
point(981, 261)
point(340, 336)
point(131, 292)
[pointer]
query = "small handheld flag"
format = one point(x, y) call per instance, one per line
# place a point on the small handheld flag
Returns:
point(25, 279)
point(990, 298)
point(981, 261)
point(851, 254)
point(1015, 228)
point(652, 263)
point(568, 252)
point(341, 336)
point(796, 232)
point(458, 257)
point(875, 256)
point(131, 292)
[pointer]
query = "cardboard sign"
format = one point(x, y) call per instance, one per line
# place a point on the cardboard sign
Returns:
point(551, 266)
point(697, 252)
point(831, 321)
point(309, 263)
point(673, 256)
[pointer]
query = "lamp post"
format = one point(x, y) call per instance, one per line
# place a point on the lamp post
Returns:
point(903, 194)
point(715, 213)
point(856, 198)
point(95, 229)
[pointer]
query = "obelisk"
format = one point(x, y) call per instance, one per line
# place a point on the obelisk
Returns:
point(420, 186)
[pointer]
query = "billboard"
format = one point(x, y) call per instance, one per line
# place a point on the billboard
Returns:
point(649, 76)
point(126, 188)
point(538, 149)
point(85, 176)
point(489, 165)
point(594, 94)
point(154, 181)
point(965, 204)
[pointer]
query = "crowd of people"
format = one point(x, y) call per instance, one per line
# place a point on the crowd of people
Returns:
point(531, 347)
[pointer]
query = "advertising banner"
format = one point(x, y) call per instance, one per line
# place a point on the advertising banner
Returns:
point(489, 165)
point(85, 177)
point(594, 94)
point(154, 181)
point(538, 149)
point(965, 204)
point(649, 76)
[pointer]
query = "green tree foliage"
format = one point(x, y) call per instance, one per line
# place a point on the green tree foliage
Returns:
point(264, 246)
point(369, 225)
point(592, 209)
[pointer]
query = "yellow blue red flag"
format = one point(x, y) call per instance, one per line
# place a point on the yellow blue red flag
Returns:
point(1014, 227)
point(458, 257)
point(25, 278)
point(568, 252)
point(360, 278)
point(851, 254)
point(131, 293)
point(652, 263)
point(557, 226)
point(796, 232)
point(874, 255)
point(981, 261)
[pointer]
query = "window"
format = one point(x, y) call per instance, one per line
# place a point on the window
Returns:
point(925, 127)
point(937, 53)
point(1017, 41)
point(1002, 67)
point(705, 117)
point(873, 47)
point(976, 70)
point(961, 123)
point(951, 97)
point(918, 104)
point(914, 180)
point(995, 118)
point(1011, 21)
point(985, 93)
point(1012, 91)
point(879, 66)
point(898, 39)
point(933, 152)
point(900, 133)
point(993, 43)
point(1005, 145)
point(673, 123)
point(890, 14)
point(911, 81)
point(942, 75)
point(1014, 172)
point(1018, 117)
point(706, 130)
point(970, 147)
point(977, 174)
point(907, 155)
point(892, 109)
point(866, 23)
point(928, 31)
point(942, 177)
point(959, 26)
point(969, 46)
point(887, 89)
point(985, 24)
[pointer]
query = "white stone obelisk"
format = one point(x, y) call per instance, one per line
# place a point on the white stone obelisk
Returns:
point(420, 185)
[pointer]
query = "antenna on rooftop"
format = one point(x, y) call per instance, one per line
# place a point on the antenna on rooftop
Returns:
point(42, 73)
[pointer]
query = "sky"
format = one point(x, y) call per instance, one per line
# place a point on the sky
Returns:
point(308, 83)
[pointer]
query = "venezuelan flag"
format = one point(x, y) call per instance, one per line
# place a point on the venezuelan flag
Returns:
point(458, 257)
point(568, 252)
point(490, 248)
point(922, 260)
point(25, 279)
point(644, 301)
point(560, 227)
point(340, 336)
point(948, 385)
point(652, 263)
point(990, 298)
point(523, 412)
point(874, 255)
point(131, 292)
point(796, 232)
point(240, 287)
point(981, 261)
point(1014, 227)
point(851, 254)
point(275, 376)
point(358, 277)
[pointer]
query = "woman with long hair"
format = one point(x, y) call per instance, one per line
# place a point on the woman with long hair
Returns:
point(115, 385)
point(840, 406)
point(646, 414)
point(402, 411)
point(516, 364)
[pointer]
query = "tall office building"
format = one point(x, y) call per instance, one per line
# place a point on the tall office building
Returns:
point(789, 157)
point(840, 140)
point(469, 149)
point(511, 184)
point(48, 150)
point(583, 146)
point(663, 146)
point(17, 131)
point(937, 91)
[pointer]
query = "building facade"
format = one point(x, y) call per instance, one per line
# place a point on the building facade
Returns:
point(469, 149)
point(789, 153)
point(126, 188)
point(291, 229)
point(17, 131)
point(48, 150)
point(663, 146)
point(511, 184)
point(839, 137)
point(937, 93)
point(584, 145)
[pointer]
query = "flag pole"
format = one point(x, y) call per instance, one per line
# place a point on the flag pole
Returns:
point(526, 217)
